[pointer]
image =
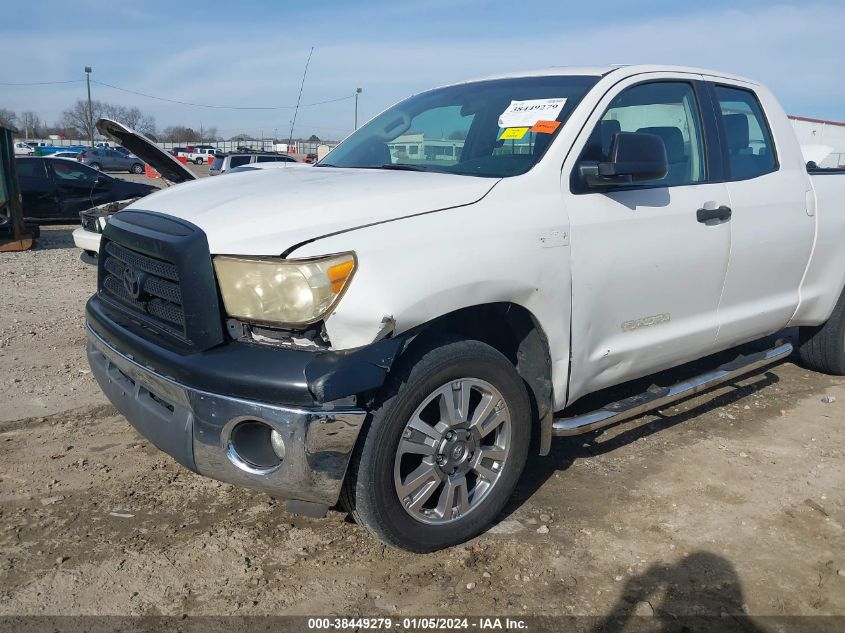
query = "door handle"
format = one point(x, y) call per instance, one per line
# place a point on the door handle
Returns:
point(720, 214)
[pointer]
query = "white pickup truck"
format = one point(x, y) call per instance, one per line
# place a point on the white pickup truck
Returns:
point(388, 329)
point(200, 155)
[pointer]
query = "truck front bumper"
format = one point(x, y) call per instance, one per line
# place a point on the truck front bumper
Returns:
point(196, 428)
point(87, 240)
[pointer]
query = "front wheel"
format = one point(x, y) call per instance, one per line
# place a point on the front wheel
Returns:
point(444, 448)
point(137, 168)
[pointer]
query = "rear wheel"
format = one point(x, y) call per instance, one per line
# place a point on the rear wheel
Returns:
point(822, 348)
point(137, 168)
point(198, 161)
point(444, 448)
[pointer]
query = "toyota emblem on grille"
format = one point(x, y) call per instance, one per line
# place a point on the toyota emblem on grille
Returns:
point(133, 282)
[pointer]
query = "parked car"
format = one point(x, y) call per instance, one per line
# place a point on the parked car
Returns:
point(224, 162)
point(200, 155)
point(107, 159)
point(177, 151)
point(87, 237)
point(55, 189)
point(23, 149)
point(263, 166)
point(73, 155)
point(389, 328)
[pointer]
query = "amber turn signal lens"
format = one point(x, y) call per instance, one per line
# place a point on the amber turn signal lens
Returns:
point(339, 273)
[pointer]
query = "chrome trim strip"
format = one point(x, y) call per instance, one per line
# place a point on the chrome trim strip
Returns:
point(650, 400)
point(319, 442)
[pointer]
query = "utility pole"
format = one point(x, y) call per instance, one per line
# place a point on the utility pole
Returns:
point(88, 70)
point(357, 92)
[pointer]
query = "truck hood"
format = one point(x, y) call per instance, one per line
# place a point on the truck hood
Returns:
point(170, 168)
point(268, 211)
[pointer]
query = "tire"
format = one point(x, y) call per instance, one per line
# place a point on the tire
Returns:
point(96, 166)
point(198, 161)
point(137, 168)
point(822, 348)
point(371, 491)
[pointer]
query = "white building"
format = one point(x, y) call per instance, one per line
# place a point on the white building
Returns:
point(821, 141)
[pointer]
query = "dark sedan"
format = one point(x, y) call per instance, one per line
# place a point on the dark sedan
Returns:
point(58, 189)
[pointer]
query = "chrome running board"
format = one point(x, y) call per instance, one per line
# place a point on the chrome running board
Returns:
point(657, 397)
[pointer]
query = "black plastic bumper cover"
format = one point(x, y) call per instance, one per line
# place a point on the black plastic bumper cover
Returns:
point(252, 371)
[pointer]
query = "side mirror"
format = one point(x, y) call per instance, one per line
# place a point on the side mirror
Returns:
point(634, 156)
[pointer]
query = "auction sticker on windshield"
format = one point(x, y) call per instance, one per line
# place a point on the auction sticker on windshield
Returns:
point(527, 113)
point(545, 127)
point(513, 133)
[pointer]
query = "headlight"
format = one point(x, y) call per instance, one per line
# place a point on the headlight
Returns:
point(282, 291)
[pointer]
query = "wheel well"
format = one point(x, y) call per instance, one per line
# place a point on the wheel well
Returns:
point(514, 331)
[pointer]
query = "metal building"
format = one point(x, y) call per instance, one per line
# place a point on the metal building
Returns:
point(821, 141)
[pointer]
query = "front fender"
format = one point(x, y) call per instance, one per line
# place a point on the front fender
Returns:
point(417, 269)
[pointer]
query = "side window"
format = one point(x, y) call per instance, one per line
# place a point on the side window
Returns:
point(237, 161)
point(68, 171)
point(30, 168)
point(750, 147)
point(666, 109)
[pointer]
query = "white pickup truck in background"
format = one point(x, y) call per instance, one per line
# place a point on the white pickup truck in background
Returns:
point(200, 155)
point(389, 328)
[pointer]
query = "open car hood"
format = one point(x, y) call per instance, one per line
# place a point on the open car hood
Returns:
point(170, 168)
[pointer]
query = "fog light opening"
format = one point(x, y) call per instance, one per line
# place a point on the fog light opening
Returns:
point(255, 446)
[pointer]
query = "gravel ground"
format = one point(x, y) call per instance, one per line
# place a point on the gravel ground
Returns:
point(728, 503)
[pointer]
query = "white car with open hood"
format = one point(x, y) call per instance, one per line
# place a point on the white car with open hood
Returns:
point(94, 220)
point(388, 329)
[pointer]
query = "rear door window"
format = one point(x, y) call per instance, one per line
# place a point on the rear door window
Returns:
point(31, 168)
point(237, 161)
point(273, 159)
point(751, 151)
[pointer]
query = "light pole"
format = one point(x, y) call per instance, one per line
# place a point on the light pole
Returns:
point(88, 70)
point(357, 92)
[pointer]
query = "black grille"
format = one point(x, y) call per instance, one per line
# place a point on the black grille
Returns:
point(146, 285)
point(157, 270)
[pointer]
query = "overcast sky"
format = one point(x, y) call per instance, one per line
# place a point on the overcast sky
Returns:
point(252, 53)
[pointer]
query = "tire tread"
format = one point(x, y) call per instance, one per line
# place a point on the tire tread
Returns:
point(822, 348)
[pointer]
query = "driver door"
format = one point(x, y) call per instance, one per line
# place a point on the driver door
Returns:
point(647, 276)
point(78, 186)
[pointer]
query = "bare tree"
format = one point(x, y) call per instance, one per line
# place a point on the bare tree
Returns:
point(7, 117)
point(76, 117)
point(180, 133)
point(131, 117)
point(31, 124)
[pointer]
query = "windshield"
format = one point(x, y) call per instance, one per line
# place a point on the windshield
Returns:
point(495, 128)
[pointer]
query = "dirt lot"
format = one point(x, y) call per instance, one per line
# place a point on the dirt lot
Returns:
point(731, 502)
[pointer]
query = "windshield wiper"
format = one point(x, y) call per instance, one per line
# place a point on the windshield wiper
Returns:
point(403, 167)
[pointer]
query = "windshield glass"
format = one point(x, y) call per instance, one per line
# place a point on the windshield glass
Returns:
point(494, 128)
